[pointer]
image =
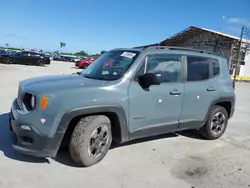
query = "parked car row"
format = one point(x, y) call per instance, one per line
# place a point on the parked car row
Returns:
point(67, 58)
point(33, 57)
point(24, 58)
point(63, 58)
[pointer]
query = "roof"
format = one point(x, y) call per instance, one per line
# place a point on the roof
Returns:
point(30, 51)
point(191, 31)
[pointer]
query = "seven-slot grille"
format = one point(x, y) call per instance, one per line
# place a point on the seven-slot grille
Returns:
point(20, 98)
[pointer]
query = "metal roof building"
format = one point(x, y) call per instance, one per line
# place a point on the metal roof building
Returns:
point(209, 40)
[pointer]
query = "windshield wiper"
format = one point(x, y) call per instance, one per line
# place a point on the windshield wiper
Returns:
point(107, 78)
point(79, 73)
point(91, 77)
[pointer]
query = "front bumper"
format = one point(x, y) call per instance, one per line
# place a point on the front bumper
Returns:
point(30, 141)
point(47, 62)
point(77, 64)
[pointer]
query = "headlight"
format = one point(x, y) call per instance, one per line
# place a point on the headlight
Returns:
point(29, 101)
point(33, 101)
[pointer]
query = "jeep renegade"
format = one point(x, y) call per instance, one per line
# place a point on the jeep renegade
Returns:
point(143, 92)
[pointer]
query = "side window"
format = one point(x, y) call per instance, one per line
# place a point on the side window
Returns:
point(215, 66)
point(33, 54)
point(24, 53)
point(197, 68)
point(141, 69)
point(167, 65)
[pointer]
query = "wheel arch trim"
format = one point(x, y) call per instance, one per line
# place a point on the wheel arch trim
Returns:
point(73, 113)
point(222, 99)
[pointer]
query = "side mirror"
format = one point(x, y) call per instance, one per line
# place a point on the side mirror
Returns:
point(149, 79)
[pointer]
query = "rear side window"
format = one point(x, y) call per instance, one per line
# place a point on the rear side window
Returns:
point(198, 68)
point(25, 53)
point(215, 67)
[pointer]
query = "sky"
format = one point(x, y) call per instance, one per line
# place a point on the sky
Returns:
point(95, 25)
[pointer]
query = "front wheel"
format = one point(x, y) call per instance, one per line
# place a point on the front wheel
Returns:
point(216, 123)
point(90, 140)
point(85, 65)
point(40, 63)
point(7, 60)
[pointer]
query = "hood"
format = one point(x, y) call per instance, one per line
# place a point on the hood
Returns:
point(57, 82)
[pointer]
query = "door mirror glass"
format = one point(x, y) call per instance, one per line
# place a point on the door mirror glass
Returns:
point(149, 79)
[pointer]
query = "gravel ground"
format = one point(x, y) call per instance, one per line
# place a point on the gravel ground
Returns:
point(182, 160)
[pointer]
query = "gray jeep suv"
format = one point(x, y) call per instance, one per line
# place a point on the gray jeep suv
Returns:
point(125, 94)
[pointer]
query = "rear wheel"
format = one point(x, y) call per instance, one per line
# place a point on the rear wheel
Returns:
point(85, 65)
point(7, 60)
point(90, 140)
point(216, 123)
point(40, 63)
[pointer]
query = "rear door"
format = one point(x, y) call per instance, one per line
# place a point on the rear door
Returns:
point(32, 58)
point(201, 88)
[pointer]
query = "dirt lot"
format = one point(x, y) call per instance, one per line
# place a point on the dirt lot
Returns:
point(181, 160)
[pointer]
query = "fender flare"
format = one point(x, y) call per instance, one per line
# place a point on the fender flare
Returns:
point(222, 99)
point(118, 110)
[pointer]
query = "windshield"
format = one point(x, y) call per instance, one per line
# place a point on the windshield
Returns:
point(111, 65)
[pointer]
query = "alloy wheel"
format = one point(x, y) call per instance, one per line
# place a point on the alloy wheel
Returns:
point(7, 60)
point(98, 141)
point(218, 123)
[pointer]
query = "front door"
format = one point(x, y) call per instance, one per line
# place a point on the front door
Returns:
point(22, 58)
point(156, 110)
point(201, 88)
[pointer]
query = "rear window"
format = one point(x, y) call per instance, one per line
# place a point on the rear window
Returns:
point(215, 66)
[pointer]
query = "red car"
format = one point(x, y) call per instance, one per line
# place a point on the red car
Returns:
point(84, 63)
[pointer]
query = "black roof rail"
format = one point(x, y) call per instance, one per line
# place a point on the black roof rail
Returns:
point(145, 46)
point(182, 48)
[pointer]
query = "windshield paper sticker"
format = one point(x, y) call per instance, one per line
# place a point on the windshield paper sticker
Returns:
point(128, 54)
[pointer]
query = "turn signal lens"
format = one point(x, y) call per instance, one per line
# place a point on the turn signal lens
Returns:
point(44, 102)
point(233, 84)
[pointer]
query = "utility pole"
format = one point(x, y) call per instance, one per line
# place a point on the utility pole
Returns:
point(238, 54)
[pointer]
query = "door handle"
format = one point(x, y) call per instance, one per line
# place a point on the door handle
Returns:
point(175, 92)
point(211, 89)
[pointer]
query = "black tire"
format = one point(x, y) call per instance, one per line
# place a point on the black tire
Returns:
point(40, 63)
point(208, 131)
point(85, 65)
point(81, 140)
point(7, 60)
